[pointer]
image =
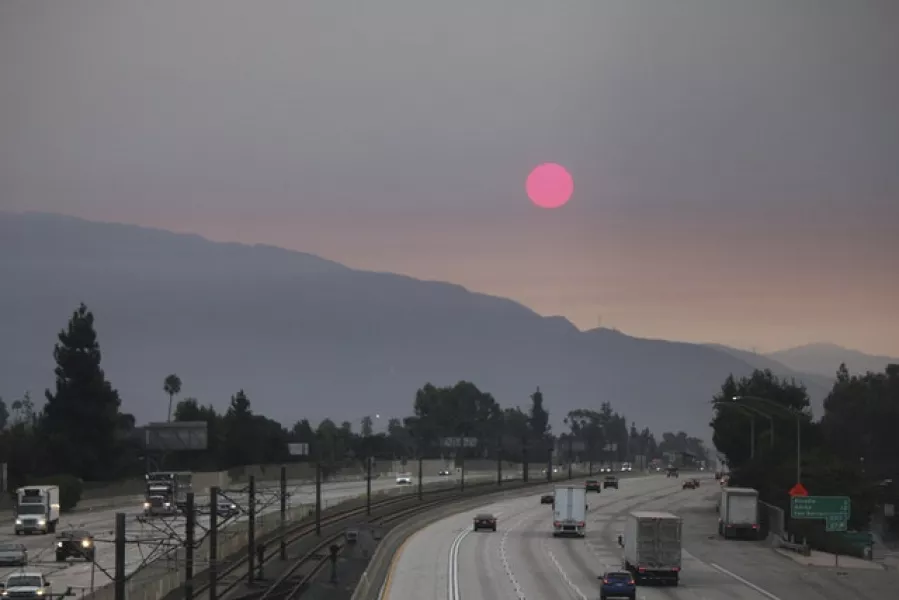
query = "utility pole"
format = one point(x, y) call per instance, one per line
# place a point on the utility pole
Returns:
point(368, 485)
point(526, 469)
point(213, 541)
point(318, 498)
point(190, 542)
point(120, 556)
point(283, 532)
point(251, 530)
point(570, 456)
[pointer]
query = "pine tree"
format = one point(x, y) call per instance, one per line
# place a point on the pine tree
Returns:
point(80, 420)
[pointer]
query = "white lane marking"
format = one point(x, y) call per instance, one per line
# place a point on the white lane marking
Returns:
point(453, 578)
point(504, 556)
point(574, 588)
point(749, 584)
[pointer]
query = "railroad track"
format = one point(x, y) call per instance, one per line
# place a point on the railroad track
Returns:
point(303, 571)
point(229, 575)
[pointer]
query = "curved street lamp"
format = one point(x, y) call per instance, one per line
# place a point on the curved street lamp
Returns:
point(750, 412)
point(776, 407)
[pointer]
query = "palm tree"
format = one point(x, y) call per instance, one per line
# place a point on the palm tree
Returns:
point(172, 387)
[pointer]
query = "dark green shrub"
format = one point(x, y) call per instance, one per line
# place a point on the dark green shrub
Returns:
point(70, 489)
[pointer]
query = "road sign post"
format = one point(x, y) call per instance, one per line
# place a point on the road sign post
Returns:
point(835, 510)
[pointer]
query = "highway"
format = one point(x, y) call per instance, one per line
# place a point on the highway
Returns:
point(521, 560)
point(151, 538)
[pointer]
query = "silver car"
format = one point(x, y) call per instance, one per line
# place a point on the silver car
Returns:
point(13, 555)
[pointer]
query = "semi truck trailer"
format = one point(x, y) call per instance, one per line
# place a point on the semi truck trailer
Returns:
point(652, 547)
point(570, 511)
point(738, 513)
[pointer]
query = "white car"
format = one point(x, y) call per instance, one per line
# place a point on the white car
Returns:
point(404, 479)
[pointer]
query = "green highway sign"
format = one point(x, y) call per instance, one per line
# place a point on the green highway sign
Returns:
point(836, 523)
point(820, 507)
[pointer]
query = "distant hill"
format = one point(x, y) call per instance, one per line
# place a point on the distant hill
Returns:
point(310, 338)
point(818, 385)
point(824, 359)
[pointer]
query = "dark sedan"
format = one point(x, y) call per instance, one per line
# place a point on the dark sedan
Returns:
point(485, 521)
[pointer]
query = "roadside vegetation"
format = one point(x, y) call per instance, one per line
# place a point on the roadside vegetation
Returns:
point(79, 437)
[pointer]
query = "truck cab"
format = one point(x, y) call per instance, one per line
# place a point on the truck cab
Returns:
point(37, 509)
point(167, 492)
point(26, 585)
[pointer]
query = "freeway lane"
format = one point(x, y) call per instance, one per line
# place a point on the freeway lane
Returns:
point(523, 561)
point(153, 537)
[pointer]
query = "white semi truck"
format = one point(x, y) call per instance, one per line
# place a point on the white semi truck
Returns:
point(738, 513)
point(37, 509)
point(570, 511)
point(652, 546)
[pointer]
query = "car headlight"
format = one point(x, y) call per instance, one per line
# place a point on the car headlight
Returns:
point(18, 522)
point(233, 507)
point(85, 543)
point(146, 505)
point(59, 544)
point(42, 522)
point(39, 592)
point(167, 504)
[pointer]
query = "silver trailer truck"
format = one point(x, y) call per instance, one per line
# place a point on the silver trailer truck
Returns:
point(652, 546)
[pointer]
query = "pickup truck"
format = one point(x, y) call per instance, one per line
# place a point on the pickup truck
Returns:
point(26, 584)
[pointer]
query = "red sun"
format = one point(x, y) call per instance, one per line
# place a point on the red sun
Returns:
point(549, 186)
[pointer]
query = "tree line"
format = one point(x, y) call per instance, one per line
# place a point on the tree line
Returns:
point(850, 450)
point(81, 431)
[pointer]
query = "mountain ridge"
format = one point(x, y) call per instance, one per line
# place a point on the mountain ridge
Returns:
point(823, 358)
point(308, 338)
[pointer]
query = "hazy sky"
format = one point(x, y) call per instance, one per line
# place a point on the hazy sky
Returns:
point(736, 163)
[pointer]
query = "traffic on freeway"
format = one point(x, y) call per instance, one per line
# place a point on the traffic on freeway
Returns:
point(149, 538)
point(522, 559)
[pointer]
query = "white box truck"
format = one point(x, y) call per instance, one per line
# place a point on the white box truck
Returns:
point(652, 546)
point(570, 511)
point(738, 513)
point(37, 509)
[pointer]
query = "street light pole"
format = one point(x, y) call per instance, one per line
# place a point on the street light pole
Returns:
point(798, 449)
point(752, 437)
point(784, 410)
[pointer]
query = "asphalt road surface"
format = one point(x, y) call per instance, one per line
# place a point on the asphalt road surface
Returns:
point(521, 560)
point(152, 537)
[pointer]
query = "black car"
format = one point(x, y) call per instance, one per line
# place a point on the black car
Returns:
point(547, 499)
point(76, 543)
point(485, 521)
point(444, 473)
point(592, 485)
point(610, 482)
point(672, 472)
